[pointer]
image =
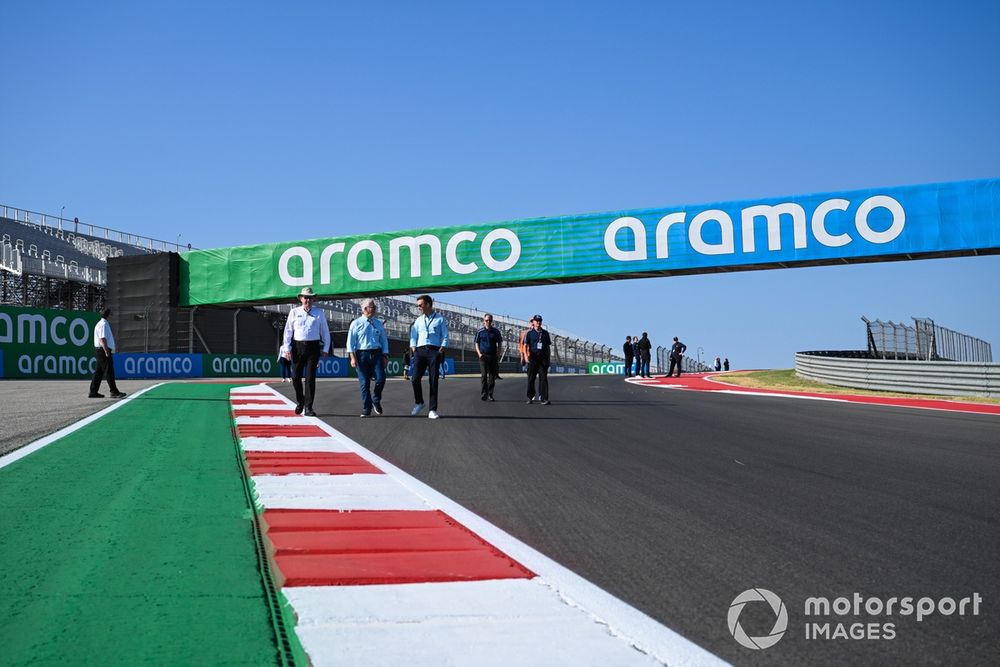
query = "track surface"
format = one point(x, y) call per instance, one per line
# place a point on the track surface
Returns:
point(676, 502)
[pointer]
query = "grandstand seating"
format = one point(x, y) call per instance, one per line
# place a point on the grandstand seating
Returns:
point(25, 237)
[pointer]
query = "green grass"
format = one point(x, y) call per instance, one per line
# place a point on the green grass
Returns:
point(787, 380)
point(130, 542)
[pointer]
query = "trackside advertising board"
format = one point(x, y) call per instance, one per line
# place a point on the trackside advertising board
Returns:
point(39, 343)
point(860, 225)
point(613, 368)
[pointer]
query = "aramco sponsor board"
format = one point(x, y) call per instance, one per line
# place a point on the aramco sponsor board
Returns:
point(37, 344)
point(932, 220)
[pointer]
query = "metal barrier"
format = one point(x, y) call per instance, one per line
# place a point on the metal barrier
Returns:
point(924, 341)
point(949, 378)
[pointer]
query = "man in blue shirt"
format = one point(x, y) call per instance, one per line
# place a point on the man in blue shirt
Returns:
point(535, 354)
point(488, 343)
point(368, 347)
point(428, 339)
point(306, 339)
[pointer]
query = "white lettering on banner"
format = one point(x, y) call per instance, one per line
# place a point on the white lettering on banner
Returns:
point(158, 365)
point(349, 258)
point(33, 329)
point(48, 364)
point(241, 366)
point(772, 214)
point(607, 369)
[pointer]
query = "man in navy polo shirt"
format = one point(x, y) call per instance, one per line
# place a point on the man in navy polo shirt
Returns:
point(535, 354)
point(488, 344)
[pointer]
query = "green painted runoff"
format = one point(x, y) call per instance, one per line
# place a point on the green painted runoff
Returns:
point(130, 542)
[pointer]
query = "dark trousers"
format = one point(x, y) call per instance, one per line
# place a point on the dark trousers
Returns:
point(426, 361)
point(675, 362)
point(370, 366)
point(628, 366)
point(105, 369)
point(306, 355)
point(538, 367)
point(489, 369)
point(644, 368)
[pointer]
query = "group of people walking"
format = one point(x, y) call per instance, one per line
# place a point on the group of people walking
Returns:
point(307, 338)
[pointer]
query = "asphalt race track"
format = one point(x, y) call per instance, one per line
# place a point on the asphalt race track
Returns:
point(678, 501)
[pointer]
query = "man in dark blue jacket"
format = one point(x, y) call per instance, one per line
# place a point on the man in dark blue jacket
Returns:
point(488, 344)
point(535, 353)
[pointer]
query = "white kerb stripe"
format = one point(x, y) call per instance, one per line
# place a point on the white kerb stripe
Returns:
point(336, 492)
point(506, 622)
point(317, 444)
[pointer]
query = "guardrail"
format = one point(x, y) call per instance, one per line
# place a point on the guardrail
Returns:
point(855, 369)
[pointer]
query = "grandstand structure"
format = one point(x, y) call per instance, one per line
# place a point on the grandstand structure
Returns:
point(47, 261)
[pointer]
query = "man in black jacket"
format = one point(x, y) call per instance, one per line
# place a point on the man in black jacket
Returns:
point(627, 349)
point(677, 351)
point(645, 354)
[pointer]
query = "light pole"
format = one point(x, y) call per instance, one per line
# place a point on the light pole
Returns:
point(700, 350)
point(178, 243)
point(61, 216)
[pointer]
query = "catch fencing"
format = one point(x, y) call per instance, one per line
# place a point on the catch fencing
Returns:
point(924, 341)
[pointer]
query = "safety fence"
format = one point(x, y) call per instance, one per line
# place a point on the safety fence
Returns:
point(924, 341)
point(856, 369)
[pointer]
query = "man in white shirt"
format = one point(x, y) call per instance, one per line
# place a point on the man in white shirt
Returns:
point(428, 340)
point(104, 347)
point(306, 339)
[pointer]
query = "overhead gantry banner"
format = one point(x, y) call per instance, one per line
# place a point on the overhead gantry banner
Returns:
point(937, 220)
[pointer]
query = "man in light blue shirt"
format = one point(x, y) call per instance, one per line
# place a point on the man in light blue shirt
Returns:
point(428, 339)
point(306, 339)
point(368, 347)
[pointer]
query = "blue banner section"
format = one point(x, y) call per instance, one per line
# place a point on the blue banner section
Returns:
point(333, 367)
point(133, 365)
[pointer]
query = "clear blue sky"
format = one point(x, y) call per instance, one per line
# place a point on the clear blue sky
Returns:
point(233, 123)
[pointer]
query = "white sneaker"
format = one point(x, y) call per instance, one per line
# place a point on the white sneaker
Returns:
point(417, 409)
point(433, 414)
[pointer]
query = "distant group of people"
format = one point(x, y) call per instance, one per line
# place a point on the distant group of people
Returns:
point(638, 352)
point(307, 338)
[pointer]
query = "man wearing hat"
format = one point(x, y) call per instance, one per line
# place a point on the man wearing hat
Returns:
point(535, 353)
point(306, 339)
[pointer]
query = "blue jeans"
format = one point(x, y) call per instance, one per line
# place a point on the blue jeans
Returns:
point(370, 366)
point(645, 367)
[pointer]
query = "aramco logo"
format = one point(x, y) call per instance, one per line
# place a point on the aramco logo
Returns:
point(780, 622)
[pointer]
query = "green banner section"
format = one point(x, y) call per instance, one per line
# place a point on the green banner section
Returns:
point(129, 542)
point(799, 230)
point(38, 343)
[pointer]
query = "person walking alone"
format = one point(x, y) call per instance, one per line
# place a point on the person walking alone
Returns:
point(368, 346)
point(306, 339)
point(645, 354)
point(629, 353)
point(537, 346)
point(104, 347)
point(428, 340)
point(677, 351)
point(488, 343)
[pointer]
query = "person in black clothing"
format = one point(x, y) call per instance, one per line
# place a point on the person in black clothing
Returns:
point(488, 343)
point(725, 364)
point(645, 354)
point(627, 350)
point(677, 351)
point(407, 359)
point(535, 354)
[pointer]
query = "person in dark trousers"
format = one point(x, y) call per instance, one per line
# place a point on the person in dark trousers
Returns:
point(368, 347)
point(488, 343)
point(104, 347)
point(677, 351)
point(637, 354)
point(725, 364)
point(629, 353)
point(407, 359)
point(718, 364)
point(286, 365)
point(645, 354)
point(428, 340)
point(306, 339)
point(537, 345)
